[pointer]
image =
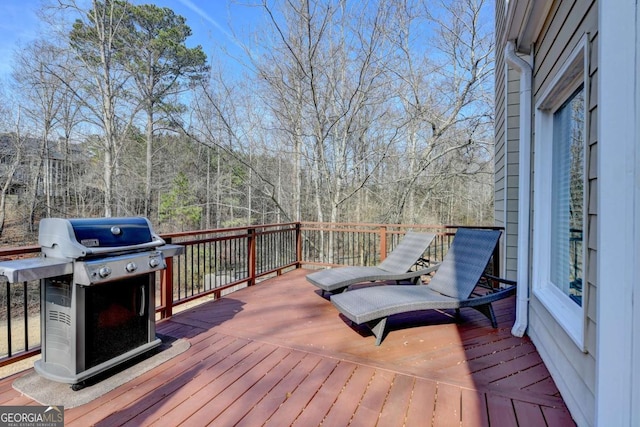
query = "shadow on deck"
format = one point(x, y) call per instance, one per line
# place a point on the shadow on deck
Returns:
point(279, 354)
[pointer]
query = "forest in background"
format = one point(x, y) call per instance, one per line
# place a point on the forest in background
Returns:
point(375, 111)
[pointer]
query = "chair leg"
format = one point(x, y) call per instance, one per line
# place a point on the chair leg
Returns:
point(487, 310)
point(378, 329)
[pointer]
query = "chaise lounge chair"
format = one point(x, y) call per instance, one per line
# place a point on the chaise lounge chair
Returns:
point(397, 266)
point(452, 286)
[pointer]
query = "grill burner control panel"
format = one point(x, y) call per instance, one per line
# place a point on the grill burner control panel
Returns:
point(101, 270)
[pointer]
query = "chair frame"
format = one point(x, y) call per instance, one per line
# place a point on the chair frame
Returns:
point(399, 266)
point(373, 306)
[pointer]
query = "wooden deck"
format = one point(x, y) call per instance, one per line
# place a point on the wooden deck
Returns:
point(279, 354)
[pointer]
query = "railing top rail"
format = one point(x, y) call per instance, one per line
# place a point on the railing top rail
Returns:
point(227, 230)
point(390, 228)
point(19, 250)
point(239, 234)
point(380, 225)
point(305, 225)
point(366, 224)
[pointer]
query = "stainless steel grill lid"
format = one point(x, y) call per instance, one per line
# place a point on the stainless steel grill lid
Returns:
point(95, 250)
point(79, 238)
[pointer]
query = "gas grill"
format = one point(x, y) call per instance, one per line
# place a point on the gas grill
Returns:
point(97, 293)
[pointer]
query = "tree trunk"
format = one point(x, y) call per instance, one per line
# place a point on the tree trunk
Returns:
point(149, 164)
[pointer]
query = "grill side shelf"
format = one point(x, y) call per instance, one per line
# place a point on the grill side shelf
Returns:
point(28, 269)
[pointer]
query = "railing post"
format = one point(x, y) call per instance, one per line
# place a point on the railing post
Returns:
point(251, 251)
point(383, 243)
point(298, 245)
point(166, 288)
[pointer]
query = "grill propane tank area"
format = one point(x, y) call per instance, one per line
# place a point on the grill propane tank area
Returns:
point(97, 289)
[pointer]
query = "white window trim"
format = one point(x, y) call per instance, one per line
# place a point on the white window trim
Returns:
point(569, 315)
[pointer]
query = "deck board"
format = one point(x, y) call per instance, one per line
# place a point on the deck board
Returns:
point(474, 408)
point(287, 413)
point(374, 397)
point(341, 415)
point(326, 396)
point(279, 353)
point(268, 405)
point(395, 409)
point(421, 406)
point(501, 411)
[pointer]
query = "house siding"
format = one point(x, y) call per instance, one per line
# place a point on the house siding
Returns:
point(513, 173)
point(499, 126)
point(572, 369)
point(506, 154)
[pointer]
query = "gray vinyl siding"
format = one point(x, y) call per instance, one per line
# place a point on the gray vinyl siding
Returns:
point(499, 126)
point(513, 173)
point(506, 132)
point(572, 370)
point(592, 212)
point(506, 152)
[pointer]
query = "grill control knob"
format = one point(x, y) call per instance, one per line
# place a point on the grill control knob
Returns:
point(104, 272)
point(131, 267)
point(153, 262)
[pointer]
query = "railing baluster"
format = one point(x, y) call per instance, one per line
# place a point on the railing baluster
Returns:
point(192, 268)
point(180, 281)
point(25, 303)
point(9, 341)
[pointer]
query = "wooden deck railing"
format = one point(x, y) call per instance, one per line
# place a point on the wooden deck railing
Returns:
point(219, 261)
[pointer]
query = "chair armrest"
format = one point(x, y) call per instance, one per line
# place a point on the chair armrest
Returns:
point(492, 287)
point(427, 270)
point(488, 298)
point(423, 262)
point(500, 280)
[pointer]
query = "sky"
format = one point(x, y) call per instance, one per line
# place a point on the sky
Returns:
point(210, 22)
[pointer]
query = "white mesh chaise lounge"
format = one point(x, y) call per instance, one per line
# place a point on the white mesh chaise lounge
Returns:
point(397, 266)
point(452, 286)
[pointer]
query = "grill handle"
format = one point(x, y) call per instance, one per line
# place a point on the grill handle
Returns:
point(111, 250)
point(143, 301)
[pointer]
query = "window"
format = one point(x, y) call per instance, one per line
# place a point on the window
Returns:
point(567, 197)
point(560, 198)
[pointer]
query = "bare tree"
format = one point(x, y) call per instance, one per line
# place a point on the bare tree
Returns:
point(97, 41)
point(41, 104)
point(325, 87)
point(69, 119)
point(11, 148)
point(444, 96)
point(223, 122)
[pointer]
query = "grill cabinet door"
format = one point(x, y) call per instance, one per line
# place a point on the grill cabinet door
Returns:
point(117, 318)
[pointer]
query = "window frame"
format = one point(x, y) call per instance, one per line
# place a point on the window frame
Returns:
point(569, 315)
